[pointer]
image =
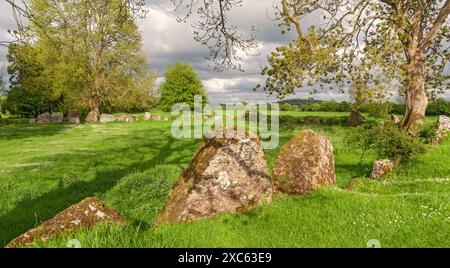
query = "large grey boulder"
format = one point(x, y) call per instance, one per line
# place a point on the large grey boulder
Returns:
point(227, 175)
point(44, 118)
point(305, 164)
point(57, 117)
point(73, 117)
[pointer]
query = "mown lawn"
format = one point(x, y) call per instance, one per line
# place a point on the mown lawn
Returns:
point(46, 168)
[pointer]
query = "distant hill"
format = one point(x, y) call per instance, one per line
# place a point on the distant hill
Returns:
point(300, 101)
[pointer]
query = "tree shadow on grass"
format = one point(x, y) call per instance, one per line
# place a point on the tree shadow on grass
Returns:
point(21, 131)
point(110, 165)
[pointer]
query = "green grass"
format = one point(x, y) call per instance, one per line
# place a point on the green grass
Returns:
point(46, 168)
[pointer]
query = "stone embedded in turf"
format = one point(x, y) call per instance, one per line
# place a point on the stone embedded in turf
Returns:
point(355, 119)
point(225, 176)
point(44, 118)
point(126, 118)
point(382, 168)
point(83, 215)
point(57, 117)
point(305, 164)
point(107, 118)
point(73, 117)
point(147, 116)
point(443, 127)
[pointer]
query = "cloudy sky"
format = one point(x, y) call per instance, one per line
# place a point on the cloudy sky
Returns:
point(167, 41)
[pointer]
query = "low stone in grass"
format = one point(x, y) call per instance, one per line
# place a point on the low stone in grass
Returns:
point(443, 127)
point(382, 168)
point(92, 117)
point(147, 116)
point(44, 118)
point(107, 118)
point(305, 164)
point(355, 119)
point(73, 117)
point(126, 118)
point(57, 117)
point(227, 175)
point(84, 215)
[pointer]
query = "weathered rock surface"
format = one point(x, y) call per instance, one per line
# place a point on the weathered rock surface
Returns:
point(305, 164)
point(44, 118)
point(395, 119)
point(355, 119)
point(226, 176)
point(84, 215)
point(126, 118)
point(107, 118)
point(147, 116)
point(382, 168)
point(57, 117)
point(73, 117)
point(443, 127)
point(92, 117)
point(444, 123)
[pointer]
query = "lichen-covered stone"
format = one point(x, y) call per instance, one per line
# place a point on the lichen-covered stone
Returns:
point(57, 117)
point(305, 164)
point(147, 116)
point(382, 168)
point(444, 123)
point(83, 215)
point(126, 118)
point(226, 175)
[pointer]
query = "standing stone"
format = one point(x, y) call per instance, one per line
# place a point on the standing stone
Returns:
point(126, 118)
point(382, 168)
point(73, 117)
point(395, 119)
point(107, 118)
point(305, 164)
point(92, 117)
point(444, 123)
point(147, 116)
point(355, 119)
point(57, 117)
point(227, 175)
point(84, 215)
point(44, 118)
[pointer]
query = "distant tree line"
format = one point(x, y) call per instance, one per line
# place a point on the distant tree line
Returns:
point(377, 109)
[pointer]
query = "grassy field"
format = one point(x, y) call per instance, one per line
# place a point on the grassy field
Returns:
point(46, 168)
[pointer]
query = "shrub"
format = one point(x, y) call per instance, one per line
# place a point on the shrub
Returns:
point(387, 141)
point(287, 107)
point(439, 107)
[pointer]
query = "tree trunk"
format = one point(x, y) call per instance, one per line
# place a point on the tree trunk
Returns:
point(416, 97)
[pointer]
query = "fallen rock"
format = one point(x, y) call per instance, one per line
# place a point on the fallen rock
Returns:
point(84, 215)
point(92, 117)
point(355, 119)
point(395, 119)
point(227, 175)
point(382, 168)
point(147, 116)
point(305, 164)
point(73, 117)
point(44, 118)
point(107, 118)
point(57, 117)
point(126, 118)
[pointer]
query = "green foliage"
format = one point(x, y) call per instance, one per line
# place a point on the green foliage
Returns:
point(181, 86)
point(387, 141)
point(287, 107)
point(378, 109)
point(314, 107)
point(439, 107)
